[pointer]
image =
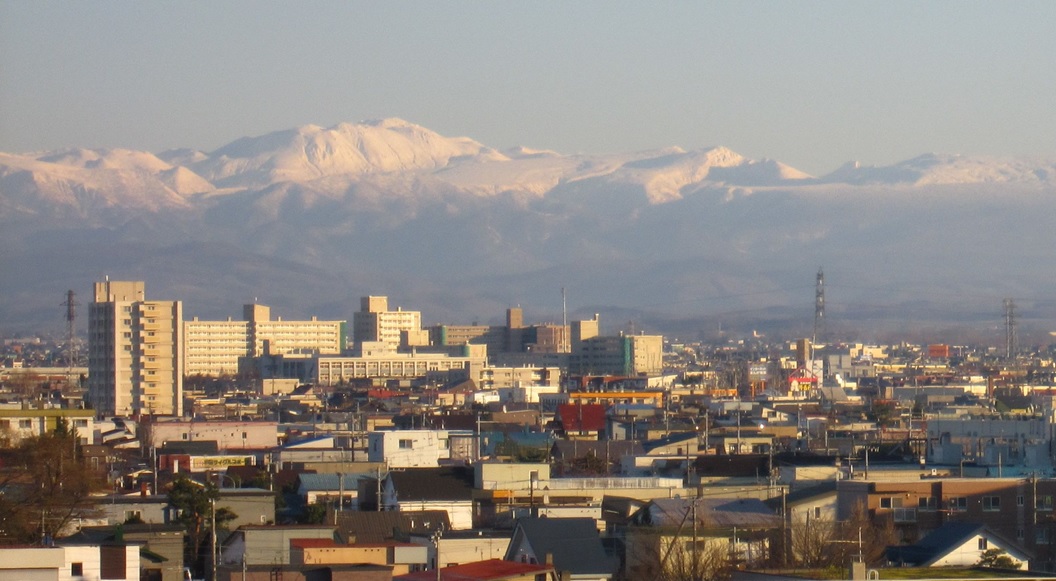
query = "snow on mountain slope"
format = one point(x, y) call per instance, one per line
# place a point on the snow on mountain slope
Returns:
point(93, 181)
point(312, 152)
point(935, 169)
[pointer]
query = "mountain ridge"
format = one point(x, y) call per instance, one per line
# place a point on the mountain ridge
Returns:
point(314, 217)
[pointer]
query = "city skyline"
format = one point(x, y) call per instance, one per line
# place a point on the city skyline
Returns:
point(812, 86)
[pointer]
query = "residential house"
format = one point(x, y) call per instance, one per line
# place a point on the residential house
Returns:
point(402, 557)
point(572, 545)
point(460, 547)
point(428, 489)
point(268, 544)
point(160, 547)
point(698, 533)
point(488, 570)
point(112, 561)
point(955, 545)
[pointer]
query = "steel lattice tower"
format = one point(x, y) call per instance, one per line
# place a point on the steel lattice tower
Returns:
point(1010, 328)
point(819, 306)
point(71, 347)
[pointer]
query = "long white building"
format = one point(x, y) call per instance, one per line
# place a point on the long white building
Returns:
point(216, 347)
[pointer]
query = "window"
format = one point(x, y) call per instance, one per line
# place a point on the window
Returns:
point(1019, 534)
point(905, 515)
point(992, 503)
point(1041, 536)
point(25, 424)
point(890, 502)
point(982, 543)
point(927, 503)
point(1045, 503)
point(77, 569)
point(817, 512)
point(959, 503)
point(1019, 500)
point(406, 444)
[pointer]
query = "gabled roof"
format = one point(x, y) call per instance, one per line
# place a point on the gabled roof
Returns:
point(826, 488)
point(743, 513)
point(376, 527)
point(574, 544)
point(941, 541)
point(675, 438)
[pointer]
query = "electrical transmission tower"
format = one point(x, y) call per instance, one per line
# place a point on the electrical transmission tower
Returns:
point(71, 347)
point(819, 305)
point(1010, 328)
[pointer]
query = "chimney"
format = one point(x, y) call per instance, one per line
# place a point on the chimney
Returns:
point(550, 559)
point(142, 488)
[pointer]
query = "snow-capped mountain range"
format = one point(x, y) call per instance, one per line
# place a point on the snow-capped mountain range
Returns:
point(309, 219)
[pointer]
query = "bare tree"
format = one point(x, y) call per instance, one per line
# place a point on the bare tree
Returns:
point(667, 555)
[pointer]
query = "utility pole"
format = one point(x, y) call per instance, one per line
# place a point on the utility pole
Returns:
point(212, 534)
point(340, 495)
point(379, 488)
point(696, 554)
point(436, 541)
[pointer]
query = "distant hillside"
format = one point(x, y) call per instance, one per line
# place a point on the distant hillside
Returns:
point(309, 219)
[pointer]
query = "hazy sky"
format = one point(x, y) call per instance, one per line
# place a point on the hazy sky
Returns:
point(813, 84)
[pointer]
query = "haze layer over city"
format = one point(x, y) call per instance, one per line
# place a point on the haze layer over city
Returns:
point(679, 169)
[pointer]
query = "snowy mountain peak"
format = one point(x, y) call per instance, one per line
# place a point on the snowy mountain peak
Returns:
point(311, 152)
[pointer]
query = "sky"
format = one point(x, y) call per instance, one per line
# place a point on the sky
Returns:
point(811, 84)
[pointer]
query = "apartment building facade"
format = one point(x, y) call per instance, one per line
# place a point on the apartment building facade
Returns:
point(217, 347)
point(135, 355)
point(374, 322)
point(1020, 509)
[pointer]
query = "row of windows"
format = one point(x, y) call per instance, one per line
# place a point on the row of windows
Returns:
point(960, 503)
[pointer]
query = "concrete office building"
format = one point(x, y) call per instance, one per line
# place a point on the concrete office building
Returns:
point(385, 364)
point(135, 359)
point(216, 347)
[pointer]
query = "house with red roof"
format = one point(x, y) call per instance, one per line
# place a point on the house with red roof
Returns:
point(489, 570)
point(580, 421)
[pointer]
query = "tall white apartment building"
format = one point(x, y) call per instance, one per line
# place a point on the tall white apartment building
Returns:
point(215, 347)
point(135, 361)
point(374, 322)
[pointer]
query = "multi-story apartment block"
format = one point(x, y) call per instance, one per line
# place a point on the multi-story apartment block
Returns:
point(513, 337)
point(374, 322)
point(217, 347)
point(135, 358)
point(1018, 509)
point(617, 355)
